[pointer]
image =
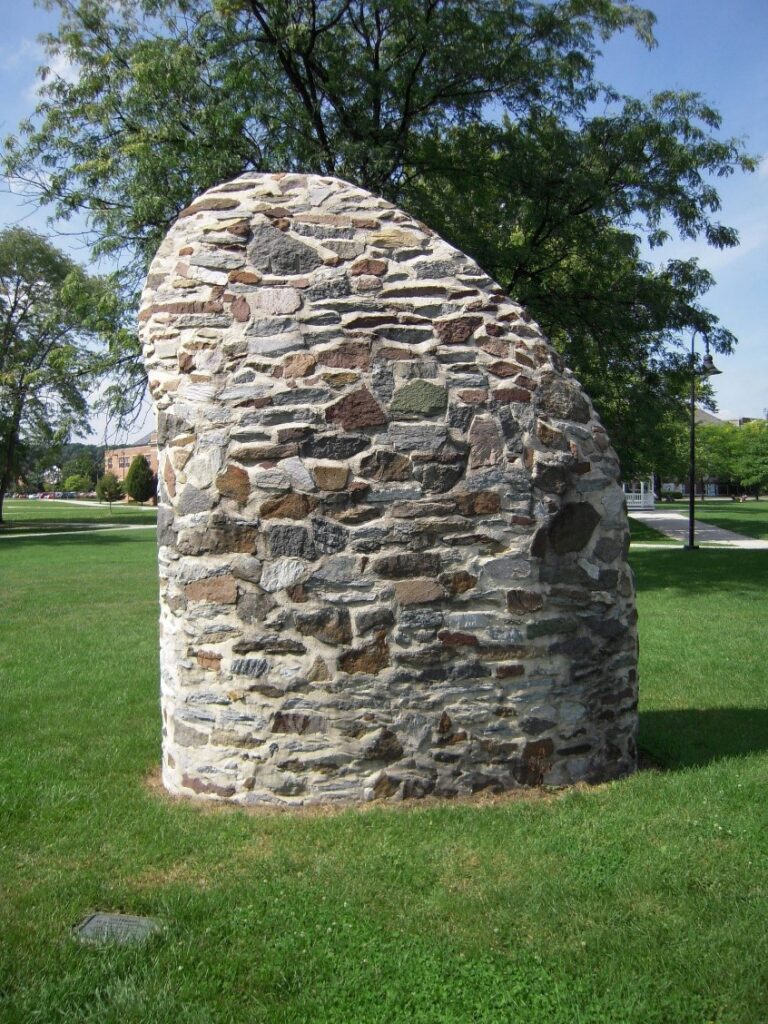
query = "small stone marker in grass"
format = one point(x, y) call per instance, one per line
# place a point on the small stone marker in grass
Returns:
point(119, 928)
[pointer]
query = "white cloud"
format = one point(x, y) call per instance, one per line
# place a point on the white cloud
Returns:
point(59, 66)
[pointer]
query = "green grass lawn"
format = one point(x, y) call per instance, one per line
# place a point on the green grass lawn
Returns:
point(640, 902)
point(38, 516)
point(641, 533)
point(749, 517)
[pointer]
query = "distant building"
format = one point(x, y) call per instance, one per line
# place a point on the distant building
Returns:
point(118, 460)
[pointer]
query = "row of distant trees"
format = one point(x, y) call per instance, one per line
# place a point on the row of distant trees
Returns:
point(734, 456)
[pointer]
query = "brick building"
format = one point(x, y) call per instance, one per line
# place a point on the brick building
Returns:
point(118, 460)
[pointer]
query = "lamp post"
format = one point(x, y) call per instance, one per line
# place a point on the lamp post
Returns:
point(707, 369)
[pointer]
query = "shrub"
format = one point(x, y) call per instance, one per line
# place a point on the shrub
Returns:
point(140, 484)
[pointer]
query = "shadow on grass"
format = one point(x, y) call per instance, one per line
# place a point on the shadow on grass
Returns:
point(695, 737)
point(12, 545)
point(707, 569)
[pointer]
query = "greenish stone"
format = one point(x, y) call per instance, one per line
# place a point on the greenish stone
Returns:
point(419, 398)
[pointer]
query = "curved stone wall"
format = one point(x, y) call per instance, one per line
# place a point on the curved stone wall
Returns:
point(392, 542)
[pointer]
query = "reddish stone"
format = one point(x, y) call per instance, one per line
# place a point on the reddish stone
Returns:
point(391, 352)
point(331, 478)
point(299, 364)
point(182, 308)
point(511, 395)
point(215, 589)
point(287, 506)
point(450, 639)
point(523, 602)
point(244, 276)
point(234, 483)
point(370, 659)
point(209, 660)
point(186, 250)
point(458, 582)
point(170, 478)
point(487, 444)
point(385, 747)
point(292, 433)
point(350, 355)
point(503, 369)
point(521, 381)
point(209, 204)
point(368, 266)
point(509, 671)
point(478, 504)
point(445, 724)
point(495, 330)
point(549, 435)
point(472, 396)
point(355, 410)
point(494, 346)
point(457, 330)
point(241, 311)
point(295, 722)
point(197, 786)
point(242, 228)
point(418, 591)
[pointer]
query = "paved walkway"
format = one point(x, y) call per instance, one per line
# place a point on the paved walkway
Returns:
point(675, 525)
point(79, 532)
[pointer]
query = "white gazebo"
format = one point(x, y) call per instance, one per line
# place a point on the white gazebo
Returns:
point(639, 494)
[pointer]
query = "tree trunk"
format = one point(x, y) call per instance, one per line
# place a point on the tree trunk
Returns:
point(6, 470)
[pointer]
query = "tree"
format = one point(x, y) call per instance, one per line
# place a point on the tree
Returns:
point(84, 465)
point(51, 314)
point(109, 489)
point(78, 483)
point(478, 116)
point(716, 452)
point(752, 455)
point(140, 483)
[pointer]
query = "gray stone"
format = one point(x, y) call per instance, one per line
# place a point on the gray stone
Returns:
point(334, 446)
point(572, 527)
point(192, 500)
point(329, 537)
point(251, 667)
point(291, 540)
point(121, 929)
point(419, 398)
point(410, 437)
point(282, 573)
point(274, 252)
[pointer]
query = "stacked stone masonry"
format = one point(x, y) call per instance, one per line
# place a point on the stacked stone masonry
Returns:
point(392, 542)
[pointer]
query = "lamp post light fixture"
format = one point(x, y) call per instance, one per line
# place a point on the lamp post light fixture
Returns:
point(707, 369)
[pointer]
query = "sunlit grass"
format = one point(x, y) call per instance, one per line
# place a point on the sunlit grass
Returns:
point(639, 902)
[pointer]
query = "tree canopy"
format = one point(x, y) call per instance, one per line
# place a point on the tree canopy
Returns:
point(482, 117)
point(51, 313)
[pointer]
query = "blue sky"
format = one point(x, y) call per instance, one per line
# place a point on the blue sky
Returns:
point(710, 46)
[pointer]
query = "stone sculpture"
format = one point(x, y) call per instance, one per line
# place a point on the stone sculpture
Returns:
point(392, 542)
